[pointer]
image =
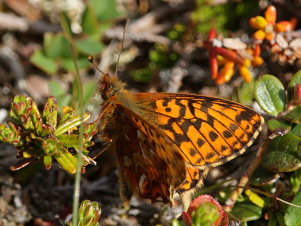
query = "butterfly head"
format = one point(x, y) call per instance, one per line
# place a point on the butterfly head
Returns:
point(109, 86)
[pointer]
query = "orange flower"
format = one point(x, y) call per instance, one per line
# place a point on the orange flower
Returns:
point(266, 26)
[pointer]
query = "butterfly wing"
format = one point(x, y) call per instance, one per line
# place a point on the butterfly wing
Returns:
point(207, 131)
point(149, 163)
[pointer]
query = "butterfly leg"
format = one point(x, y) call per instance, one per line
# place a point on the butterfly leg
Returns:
point(106, 143)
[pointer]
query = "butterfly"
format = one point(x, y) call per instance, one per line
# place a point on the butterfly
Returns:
point(166, 142)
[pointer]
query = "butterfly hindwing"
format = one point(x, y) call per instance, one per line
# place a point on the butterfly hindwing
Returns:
point(148, 160)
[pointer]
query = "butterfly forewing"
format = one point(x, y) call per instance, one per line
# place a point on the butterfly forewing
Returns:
point(207, 131)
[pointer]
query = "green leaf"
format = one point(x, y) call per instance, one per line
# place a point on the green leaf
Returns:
point(272, 220)
point(280, 219)
point(296, 131)
point(279, 126)
point(246, 211)
point(50, 112)
point(64, 100)
point(68, 63)
point(89, 46)
point(47, 161)
point(89, 89)
point(36, 118)
point(292, 216)
point(262, 177)
point(67, 161)
point(57, 46)
point(270, 94)
point(90, 23)
point(296, 180)
point(43, 62)
point(295, 80)
point(246, 93)
point(70, 124)
point(281, 162)
point(69, 140)
point(56, 88)
point(294, 115)
point(106, 9)
point(262, 202)
point(284, 154)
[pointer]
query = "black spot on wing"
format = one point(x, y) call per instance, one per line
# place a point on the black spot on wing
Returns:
point(165, 102)
point(200, 142)
point(227, 134)
point(233, 127)
point(213, 136)
point(168, 109)
point(210, 155)
point(193, 152)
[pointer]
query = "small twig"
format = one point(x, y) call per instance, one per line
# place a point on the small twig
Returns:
point(245, 178)
point(14, 23)
point(137, 36)
point(274, 197)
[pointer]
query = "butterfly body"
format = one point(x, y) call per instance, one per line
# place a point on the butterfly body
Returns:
point(166, 142)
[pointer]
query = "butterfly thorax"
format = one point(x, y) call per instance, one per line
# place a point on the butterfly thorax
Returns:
point(116, 98)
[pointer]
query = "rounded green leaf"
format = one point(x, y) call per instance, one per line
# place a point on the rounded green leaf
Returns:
point(43, 62)
point(295, 80)
point(279, 126)
point(270, 94)
point(292, 216)
point(56, 88)
point(295, 180)
point(294, 115)
point(89, 89)
point(245, 93)
point(283, 154)
point(246, 211)
point(296, 131)
point(262, 177)
point(89, 46)
point(56, 46)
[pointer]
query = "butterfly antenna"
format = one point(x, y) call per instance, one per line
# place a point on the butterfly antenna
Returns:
point(91, 59)
point(122, 43)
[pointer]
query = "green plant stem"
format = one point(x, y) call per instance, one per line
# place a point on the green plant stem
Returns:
point(76, 193)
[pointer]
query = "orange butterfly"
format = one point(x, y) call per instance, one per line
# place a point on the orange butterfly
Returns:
point(166, 142)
